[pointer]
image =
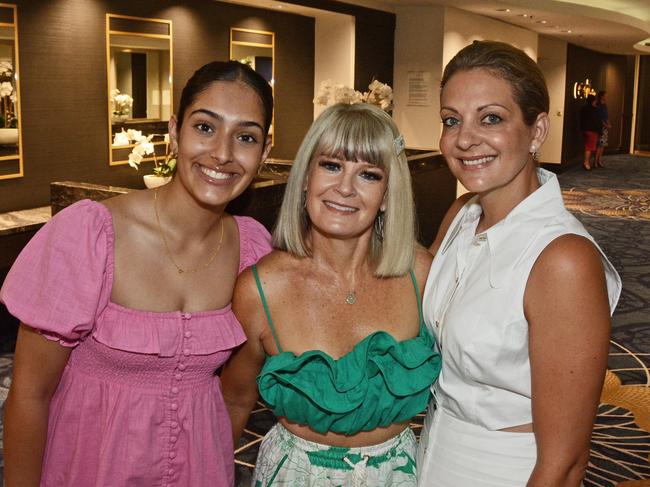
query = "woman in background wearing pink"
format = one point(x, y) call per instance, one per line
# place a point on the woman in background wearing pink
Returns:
point(125, 311)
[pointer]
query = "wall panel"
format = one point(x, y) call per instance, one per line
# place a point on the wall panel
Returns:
point(63, 83)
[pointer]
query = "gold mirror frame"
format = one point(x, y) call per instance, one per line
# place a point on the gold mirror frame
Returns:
point(257, 39)
point(118, 155)
point(11, 107)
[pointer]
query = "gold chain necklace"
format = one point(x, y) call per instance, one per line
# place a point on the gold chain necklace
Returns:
point(169, 254)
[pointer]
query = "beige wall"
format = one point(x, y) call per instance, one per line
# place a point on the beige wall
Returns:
point(418, 48)
point(334, 51)
point(462, 28)
point(552, 61)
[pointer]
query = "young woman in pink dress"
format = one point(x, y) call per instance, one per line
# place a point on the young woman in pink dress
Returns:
point(125, 311)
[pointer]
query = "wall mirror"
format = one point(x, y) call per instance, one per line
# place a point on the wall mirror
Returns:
point(139, 71)
point(257, 49)
point(11, 161)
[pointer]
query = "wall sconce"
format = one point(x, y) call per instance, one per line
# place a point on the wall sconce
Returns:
point(582, 89)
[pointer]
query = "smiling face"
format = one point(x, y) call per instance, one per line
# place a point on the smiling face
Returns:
point(221, 142)
point(484, 138)
point(343, 197)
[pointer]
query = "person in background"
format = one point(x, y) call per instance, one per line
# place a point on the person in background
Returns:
point(519, 295)
point(603, 139)
point(125, 311)
point(336, 339)
point(590, 126)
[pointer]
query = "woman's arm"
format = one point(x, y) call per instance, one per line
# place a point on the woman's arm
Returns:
point(568, 313)
point(38, 366)
point(238, 377)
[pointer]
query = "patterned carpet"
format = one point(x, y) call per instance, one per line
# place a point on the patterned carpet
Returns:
point(613, 203)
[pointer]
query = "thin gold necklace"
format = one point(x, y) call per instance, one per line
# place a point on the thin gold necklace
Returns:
point(169, 253)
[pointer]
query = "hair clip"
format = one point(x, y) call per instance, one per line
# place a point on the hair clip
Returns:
point(399, 144)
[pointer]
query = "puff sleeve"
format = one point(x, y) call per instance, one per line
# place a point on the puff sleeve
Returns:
point(254, 241)
point(58, 283)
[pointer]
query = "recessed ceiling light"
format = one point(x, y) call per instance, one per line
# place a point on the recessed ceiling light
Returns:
point(567, 31)
point(523, 15)
point(503, 10)
point(541, 21)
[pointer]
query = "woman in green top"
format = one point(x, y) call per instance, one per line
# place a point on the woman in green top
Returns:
point(336, 339)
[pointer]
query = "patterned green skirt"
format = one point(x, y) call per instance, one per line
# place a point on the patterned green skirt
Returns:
point(285, 459)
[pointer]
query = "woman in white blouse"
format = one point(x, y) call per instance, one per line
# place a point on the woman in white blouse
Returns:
point(519, 295)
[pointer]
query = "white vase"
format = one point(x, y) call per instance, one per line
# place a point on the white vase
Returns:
point(8, 136)
point(152, 181)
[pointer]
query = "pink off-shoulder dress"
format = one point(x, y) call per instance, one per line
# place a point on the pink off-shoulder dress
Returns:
point(138, 403)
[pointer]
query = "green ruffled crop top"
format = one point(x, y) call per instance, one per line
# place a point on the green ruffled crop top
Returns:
point(380, 382)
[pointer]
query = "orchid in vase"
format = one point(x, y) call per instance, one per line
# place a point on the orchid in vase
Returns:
point(143, 145)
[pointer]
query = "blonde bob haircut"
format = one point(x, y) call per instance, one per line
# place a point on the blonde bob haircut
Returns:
point(358, 132)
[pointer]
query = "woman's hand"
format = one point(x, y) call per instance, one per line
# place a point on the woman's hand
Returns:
point(567, 308)
point(38, 365)
point(238, 377)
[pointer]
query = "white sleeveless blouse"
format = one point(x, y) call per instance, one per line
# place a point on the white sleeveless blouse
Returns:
point(474, 304)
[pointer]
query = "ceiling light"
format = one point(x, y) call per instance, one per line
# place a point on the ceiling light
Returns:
point(541, 21)
point(503, 10)
point(523, 15)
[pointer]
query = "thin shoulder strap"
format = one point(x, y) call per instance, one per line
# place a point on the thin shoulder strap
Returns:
point(266, 306)
point(417, 296)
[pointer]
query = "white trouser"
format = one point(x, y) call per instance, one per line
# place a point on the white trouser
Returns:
point(455, 453)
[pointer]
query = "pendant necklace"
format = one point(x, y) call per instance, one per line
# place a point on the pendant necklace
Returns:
point(351, 297)
point(169, 253)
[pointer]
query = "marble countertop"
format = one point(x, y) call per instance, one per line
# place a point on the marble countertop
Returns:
point(24, 220)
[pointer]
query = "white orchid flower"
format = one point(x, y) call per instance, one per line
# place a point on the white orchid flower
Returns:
point(148, 146)
point(135, 160)
point(121, 138)
point(139, 150)
point(6, 89)
point(135, 135)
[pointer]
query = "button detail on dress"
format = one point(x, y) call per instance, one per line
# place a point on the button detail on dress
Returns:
point(174, 390)
point(174, 424)
point(188, 334)
point(182, 366)
point(173, 439)
point(178, 376)
point(174, 406)
point(172, 454)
